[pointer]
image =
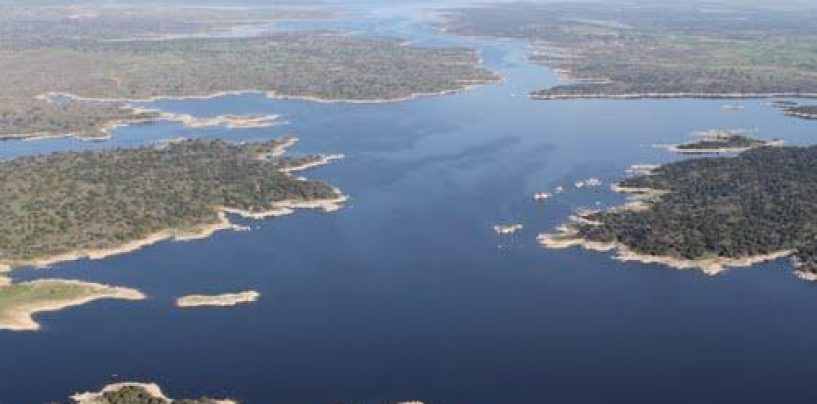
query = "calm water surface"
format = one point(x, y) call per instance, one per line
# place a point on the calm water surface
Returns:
point(407, 294)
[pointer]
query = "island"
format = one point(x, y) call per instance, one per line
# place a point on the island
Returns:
point(71, 205)
point(721, 141)
point(86, 83)
point(137, 393)
point(508, 229)
point(657, 50)
point(19, 302)
point(222, 300)
point(801, 111)
point(711, 213)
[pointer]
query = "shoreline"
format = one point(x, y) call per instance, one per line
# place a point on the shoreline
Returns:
point(199, 232)
point(676, 148)
point(272, 94)
point(21, 318)
point(222, 300)
point(640, 96)
point(566, 237)
point(188, 121)
point(320, 160)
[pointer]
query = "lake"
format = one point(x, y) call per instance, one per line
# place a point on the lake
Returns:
point(407, 293)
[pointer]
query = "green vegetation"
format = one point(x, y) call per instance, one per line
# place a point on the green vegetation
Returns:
point(131, 55)
point(726, 142)
point(757, 203)
point(19, 301)
point(659, 49)
point(81, 201)
point(717, 141)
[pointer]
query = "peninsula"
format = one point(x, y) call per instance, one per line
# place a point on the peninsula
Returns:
point(222, 300)
point(660, 50)
point(19, 302)
point(137, 393)
point(72, 205)
point(711, 213)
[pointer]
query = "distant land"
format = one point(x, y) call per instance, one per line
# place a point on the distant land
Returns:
point(78, 71)
point(711, 213)
point(666, 50)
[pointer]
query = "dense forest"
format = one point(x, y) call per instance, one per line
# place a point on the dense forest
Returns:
point(70, 201)
point(757, 203)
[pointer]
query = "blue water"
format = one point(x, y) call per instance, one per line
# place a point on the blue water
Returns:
point(406, 294)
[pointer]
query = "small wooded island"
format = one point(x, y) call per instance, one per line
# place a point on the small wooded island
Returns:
point(712, 213)
point(722, 141)
point(137, 393)
point(801, 111)
point(92, 204)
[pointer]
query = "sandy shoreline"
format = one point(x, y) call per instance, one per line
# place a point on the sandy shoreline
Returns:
point(222, 300)
point(567, 238)
point(187, 120)
point(20, 318)
point(464, 85)
point(321, 160)
point(151, 389)
point(199, 232)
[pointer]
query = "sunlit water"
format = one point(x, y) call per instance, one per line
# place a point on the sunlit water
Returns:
point(407, 294)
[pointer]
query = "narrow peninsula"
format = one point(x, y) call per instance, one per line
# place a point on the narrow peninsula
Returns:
point(19, 302)
point(711, 213)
